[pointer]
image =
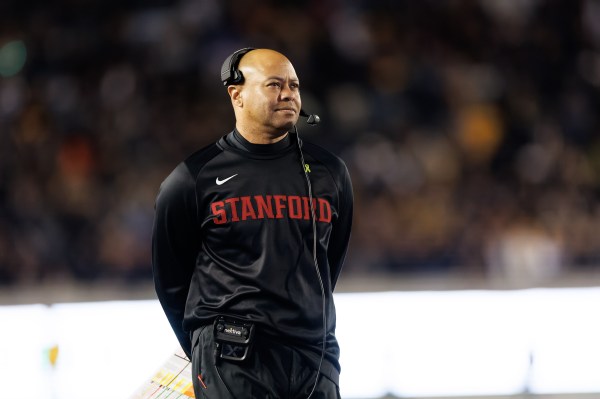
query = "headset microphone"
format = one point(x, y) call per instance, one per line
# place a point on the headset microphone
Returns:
point(311, 119)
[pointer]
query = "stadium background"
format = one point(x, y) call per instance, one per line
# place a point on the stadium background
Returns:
point(470, 128)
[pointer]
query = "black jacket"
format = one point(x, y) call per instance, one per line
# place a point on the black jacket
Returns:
point(233, 235)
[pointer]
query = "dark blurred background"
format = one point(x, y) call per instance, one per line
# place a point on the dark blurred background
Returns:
point(470, 127)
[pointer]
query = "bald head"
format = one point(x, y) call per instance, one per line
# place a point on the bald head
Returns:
point(267, 103)
point(262, 59)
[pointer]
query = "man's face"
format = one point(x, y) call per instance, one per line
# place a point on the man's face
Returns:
point(271, 93)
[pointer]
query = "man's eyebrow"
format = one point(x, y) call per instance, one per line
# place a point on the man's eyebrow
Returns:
point(281, 79)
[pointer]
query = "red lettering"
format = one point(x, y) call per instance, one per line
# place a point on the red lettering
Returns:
point(294, 207)
point(324, 210)
point(247, 208)
point(306, 211)
point(279, 205)
point(218, 208)
point(264, 207)
point(297, 208)
point(234, 214)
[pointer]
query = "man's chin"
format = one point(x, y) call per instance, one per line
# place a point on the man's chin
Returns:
point(287, 125)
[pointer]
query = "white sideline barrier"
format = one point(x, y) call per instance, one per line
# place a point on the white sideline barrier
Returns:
point(410, 344)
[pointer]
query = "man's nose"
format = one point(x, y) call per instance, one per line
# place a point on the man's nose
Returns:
point(287, 93)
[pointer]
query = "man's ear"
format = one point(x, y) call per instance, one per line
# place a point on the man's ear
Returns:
point(235, 93)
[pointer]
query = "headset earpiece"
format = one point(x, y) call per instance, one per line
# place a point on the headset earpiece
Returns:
point(230, 74)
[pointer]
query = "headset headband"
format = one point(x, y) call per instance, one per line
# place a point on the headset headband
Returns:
point(230, 74)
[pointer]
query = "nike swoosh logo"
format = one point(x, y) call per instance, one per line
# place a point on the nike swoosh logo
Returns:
point(219, 182)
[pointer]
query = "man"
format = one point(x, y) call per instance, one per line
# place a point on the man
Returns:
point(249, 239)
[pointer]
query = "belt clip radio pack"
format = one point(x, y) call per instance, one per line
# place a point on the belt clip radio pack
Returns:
point(234, 338)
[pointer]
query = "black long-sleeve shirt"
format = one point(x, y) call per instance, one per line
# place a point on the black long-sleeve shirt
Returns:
point(233, 235)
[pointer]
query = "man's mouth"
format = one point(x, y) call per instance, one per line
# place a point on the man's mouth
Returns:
point(286, 110)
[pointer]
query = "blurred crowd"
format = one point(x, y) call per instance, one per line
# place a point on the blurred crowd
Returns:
point(470, 127)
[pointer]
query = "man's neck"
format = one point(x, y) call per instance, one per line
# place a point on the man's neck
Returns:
point(256, 136)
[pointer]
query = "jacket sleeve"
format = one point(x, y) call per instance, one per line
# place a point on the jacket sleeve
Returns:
point(340, 234)
point(175, 246)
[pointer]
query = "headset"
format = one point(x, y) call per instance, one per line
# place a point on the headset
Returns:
point(231, 75)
